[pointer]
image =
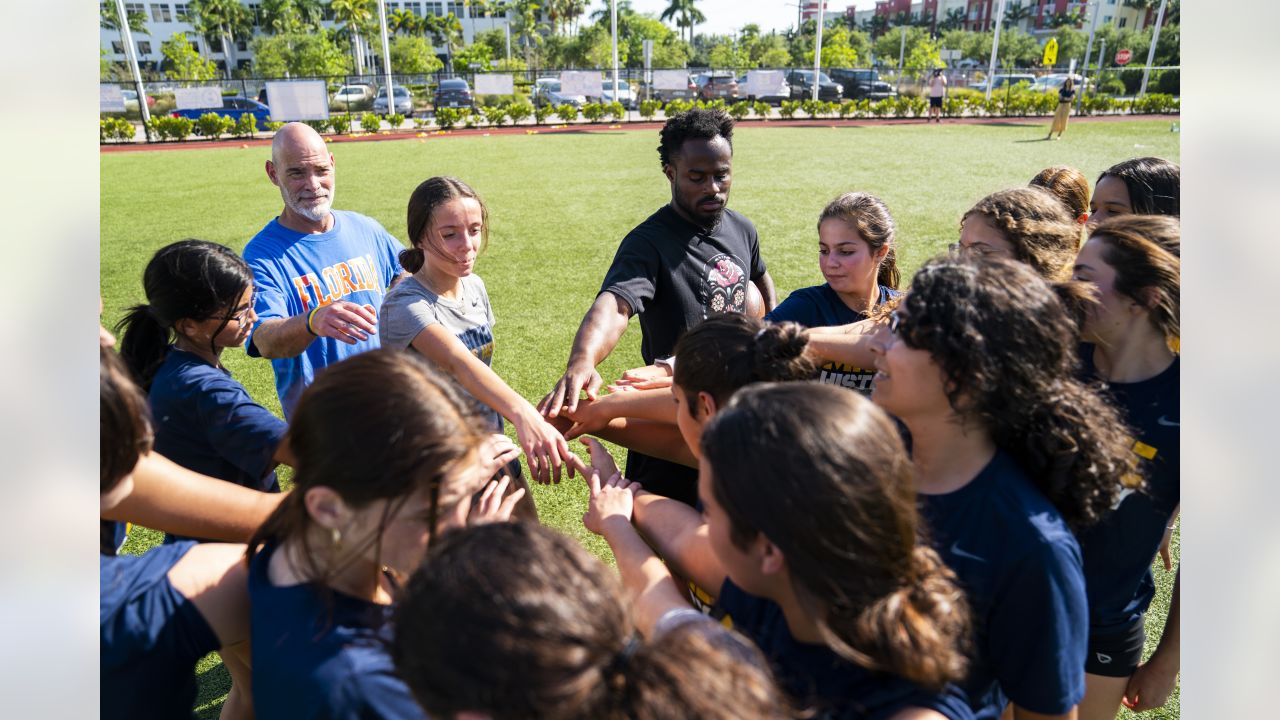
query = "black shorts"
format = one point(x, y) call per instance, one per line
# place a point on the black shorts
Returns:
point(1117, 653)
point(935, 102)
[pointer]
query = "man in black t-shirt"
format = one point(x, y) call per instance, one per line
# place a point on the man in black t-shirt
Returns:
point(690, 259)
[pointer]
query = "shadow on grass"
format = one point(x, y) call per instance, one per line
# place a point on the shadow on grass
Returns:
point(215, 683)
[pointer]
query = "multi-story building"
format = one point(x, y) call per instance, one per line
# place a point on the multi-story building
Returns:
point(166, 18)
point(981, 13)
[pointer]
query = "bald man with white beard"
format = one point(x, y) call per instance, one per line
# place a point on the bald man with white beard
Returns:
point(319, 273)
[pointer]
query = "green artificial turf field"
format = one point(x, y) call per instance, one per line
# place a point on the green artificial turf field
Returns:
point(560, 203)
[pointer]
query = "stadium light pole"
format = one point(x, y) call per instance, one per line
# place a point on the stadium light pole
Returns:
point(386, 60)
point(817, 48)
point(132, 59)
point(613, 25)
point(1151, 54)
point(995, 49)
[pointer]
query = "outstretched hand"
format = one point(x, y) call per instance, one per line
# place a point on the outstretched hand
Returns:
point(496, 451)
point(492, 507)
point(568, 388)
point(611, 502)
point(544, 447)
point(649, 377)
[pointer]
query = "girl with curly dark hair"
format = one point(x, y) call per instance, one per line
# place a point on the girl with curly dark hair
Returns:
point(1028, 224)
point(1133, 263)
point(1011, 452)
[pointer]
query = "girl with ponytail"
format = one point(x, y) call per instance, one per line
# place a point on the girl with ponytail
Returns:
point(808, 543)
point(1133, 265)
point(380, 476)
point(1012, 452)
point(442, 313)
point(857, 255)
point(199, 303)
point(519, 621)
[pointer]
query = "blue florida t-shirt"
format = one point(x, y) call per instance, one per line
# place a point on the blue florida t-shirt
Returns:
point(1020, 568)
point(1118, 550)
point(151, 637)
point(294, 272)
point(205, 421)
point(321, 654)
point(819, 679)
point(821, 306)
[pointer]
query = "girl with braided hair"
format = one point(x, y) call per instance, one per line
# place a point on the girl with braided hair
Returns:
point(1027, 224)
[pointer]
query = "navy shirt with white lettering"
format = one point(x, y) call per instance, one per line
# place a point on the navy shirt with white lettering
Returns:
point(820, 306)
point(151, 637)
point(318, 653)
point(1020, 568)
point(819, 679)
point(1118, 550)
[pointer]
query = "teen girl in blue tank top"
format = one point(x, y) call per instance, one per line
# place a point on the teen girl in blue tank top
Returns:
point(1011, 453)
point(857, 257)
point(160, 612)
point(807, 541)
point(200, 302)
point(1133, 263)
point(379, 474)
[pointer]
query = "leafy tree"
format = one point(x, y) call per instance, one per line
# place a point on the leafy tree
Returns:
point(291, 16)
point(1015, 13)
point(447, 30)
point(354, 17)
point(105, 71)
point(770, 51)
point(726, 53)
point(413, 56)
point(876, 25)
point(404, 21)
point(925, 55)
point(181, 62)
point(298, 55)
point(109, 19)
point(495, 40)
point(954, 20)
point(836, 50)
point(473, 54)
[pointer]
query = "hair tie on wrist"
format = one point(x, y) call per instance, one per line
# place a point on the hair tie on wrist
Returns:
point(310, 316)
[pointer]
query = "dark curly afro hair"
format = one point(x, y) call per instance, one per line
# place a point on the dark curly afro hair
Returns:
point(695, 124)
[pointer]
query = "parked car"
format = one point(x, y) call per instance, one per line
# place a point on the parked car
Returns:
point(717, 84)
point(801, 82)
point(625, 95)
point(404, 101)
point(860, 83)
point(1000, 81)
point(782, 91)
point(546, 91)
point(453, 93)
point(131, 100)
point(348, 95)
point(233, 106)
point(1053, 83)
point(687, 93)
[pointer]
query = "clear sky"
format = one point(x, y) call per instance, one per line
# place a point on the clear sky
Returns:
point(726, 16)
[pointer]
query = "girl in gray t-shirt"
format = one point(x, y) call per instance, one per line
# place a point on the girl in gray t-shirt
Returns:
point(442, 312)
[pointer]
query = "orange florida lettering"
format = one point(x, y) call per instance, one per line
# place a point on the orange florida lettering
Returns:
point(340, 280)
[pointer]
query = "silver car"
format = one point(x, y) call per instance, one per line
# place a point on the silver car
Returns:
point(547, 91)
point(404, 101)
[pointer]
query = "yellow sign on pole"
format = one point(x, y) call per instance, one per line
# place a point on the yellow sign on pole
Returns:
point(1051, 52)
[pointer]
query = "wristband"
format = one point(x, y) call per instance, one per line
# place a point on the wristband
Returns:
point(311, 315)
point(667, 363)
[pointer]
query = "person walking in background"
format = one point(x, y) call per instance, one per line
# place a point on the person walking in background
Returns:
point(1066, 96)
point(937, 90)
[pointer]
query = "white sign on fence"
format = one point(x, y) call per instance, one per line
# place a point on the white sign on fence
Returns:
point(587, 84)
point(762, 83)
point(110, 99)
point(495, 84)
point(209, 96)
point(670, 79)
point(298, 100)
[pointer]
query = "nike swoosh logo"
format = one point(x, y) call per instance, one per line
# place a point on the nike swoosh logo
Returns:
point(1166, 422)
point(955, 550)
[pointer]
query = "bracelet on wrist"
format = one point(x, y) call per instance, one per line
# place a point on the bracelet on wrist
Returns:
point(310, 316)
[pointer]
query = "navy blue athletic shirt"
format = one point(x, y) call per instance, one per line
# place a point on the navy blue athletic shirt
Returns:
point(818, 678)
point(820, 306)
point(1020, 567)
point(205, 421)
point(151, 637)
point(321, 654)
point(1118, 550)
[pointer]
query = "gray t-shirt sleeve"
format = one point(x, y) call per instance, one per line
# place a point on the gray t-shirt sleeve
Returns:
point(407, 310)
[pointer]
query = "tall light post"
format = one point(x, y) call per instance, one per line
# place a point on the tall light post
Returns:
point(1088, 51)
point(995, 49)
point(613, 24)
point(386, 59)
point(133, 68)
point(817, 48)
point(1151, 54)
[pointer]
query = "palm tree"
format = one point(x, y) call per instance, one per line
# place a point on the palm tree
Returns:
point(291, 16)
point(446, 30)
point(688, 15)
point(528, 24)
point(1057, 20)
point(1016, 13)
point(110, 20)
point(404, 21)
point(356, 16)
point(223, 19)
point(876, 25)
point(900, 18)
point(954, 20)
point(602, 14)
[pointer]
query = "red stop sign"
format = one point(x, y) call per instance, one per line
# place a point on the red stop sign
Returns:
point(1123, 57)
